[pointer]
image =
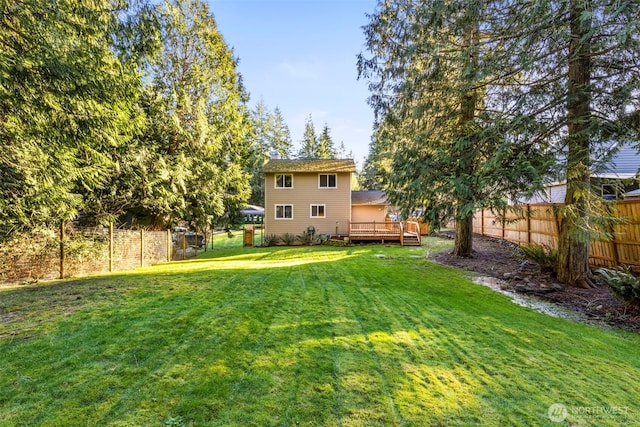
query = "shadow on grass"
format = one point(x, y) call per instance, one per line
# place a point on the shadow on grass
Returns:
point(311, 336)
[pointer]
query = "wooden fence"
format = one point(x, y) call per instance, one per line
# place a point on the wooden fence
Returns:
point(538, 223)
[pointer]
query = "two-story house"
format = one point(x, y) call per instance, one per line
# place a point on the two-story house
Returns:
point(305, 194)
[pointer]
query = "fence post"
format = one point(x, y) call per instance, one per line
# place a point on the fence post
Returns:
point(557, 221)
point(62, 235)
point(204, 237)
point(169, 245)
point(110, 247)
point(141, 248)
point(196, 244)
point(616, 257)
point(528, 223)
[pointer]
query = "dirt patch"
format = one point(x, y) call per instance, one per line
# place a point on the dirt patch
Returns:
point(501, 259)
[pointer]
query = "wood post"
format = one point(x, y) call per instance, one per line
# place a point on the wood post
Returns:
point(169, 246)
point(205, 235)
point(612, 231)
point(528, 223)
point(141, 248)
point(62, 260)
point(557, 221)
point(110, 247)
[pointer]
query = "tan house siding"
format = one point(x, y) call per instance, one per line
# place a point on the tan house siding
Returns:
point(304, 193)
point(368, 213)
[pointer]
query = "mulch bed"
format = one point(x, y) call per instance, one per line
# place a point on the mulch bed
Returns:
point(501, 259)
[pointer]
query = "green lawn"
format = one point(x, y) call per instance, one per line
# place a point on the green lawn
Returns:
point(355, 336)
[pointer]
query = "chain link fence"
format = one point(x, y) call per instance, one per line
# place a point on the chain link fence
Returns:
point(73, 251)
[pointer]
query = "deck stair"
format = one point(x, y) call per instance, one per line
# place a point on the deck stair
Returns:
point(411, 239)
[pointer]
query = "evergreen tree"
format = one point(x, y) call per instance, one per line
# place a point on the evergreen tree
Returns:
point(196, 144)
point(326, 149)
point(67, 103)
point(342, 153)
point(280, 135)
point(582, 74)
point(433, 80)
point(309, 149)
point(550, 75)
point(271, 137)
point(377, 165)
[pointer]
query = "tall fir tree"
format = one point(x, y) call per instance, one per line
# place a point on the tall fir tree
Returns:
point(582, 74)
point(326, 149)
point(271, 137)
point(557, 76)
point(309, 148)
point(432, 79)
point(197, 138)
point(280, 135)
point(67, 103)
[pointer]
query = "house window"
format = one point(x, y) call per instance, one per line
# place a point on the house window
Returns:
point(284, 180)
point(318, 211)
point(284, 211)
point(328, 180)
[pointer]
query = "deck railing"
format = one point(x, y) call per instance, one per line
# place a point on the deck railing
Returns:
point(376, 227)
point(376, 230)
point(387, 230)
point(413, 227)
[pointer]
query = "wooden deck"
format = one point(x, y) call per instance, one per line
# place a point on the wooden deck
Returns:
point(406, 233)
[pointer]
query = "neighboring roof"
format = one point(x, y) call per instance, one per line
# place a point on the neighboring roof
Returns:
point(252, 210)
point(635, 194)
point(315, 165)
point(624, 164)
point(375, 197)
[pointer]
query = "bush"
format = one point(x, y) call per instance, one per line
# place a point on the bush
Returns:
point(542, 255)
point(271, 240)
point(305, 238)
point(335, 242)
point(624, 284)
point(288, 239)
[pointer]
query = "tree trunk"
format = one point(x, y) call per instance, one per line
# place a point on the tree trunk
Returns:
point(573, 245)
point(467, 160)
point(464, 237)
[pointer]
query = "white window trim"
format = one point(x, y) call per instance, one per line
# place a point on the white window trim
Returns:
point(328, 174)
point(275, 181)
point(317, 204)
point(275, 212)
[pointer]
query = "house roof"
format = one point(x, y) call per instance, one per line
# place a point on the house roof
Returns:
point(252, 210)
point(635, 194)
point(375, 197)
point(312, 165)
point(625, 163)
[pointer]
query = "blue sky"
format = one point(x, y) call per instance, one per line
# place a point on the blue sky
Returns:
point(300, 56)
